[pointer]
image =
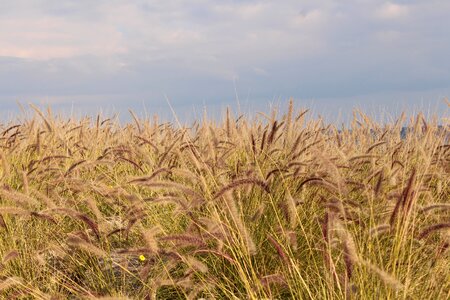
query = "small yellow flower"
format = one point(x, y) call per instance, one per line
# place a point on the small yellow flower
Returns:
point(141, 257)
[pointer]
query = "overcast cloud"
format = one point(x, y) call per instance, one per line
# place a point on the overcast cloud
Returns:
point(92, 54)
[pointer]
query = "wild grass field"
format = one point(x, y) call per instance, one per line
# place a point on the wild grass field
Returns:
point(270, 207)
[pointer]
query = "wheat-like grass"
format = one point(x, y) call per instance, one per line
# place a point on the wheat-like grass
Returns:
point(270, 207)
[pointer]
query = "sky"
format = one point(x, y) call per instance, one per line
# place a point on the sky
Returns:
point(111, 55)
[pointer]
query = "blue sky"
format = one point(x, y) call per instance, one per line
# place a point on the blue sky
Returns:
point(331, 55)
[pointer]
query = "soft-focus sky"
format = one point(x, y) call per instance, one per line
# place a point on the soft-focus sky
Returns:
point(331, 55)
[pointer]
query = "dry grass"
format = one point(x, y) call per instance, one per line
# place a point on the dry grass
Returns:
point(268, 208)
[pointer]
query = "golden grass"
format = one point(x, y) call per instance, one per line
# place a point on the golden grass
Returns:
point(264, 208)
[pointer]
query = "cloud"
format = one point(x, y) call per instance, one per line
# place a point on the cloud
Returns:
point(52, 37)
point(392, 11)
point(309, 18)
point(162, 31)
point(197, 50)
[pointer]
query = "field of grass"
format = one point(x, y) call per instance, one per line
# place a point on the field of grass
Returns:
point(273, 207)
